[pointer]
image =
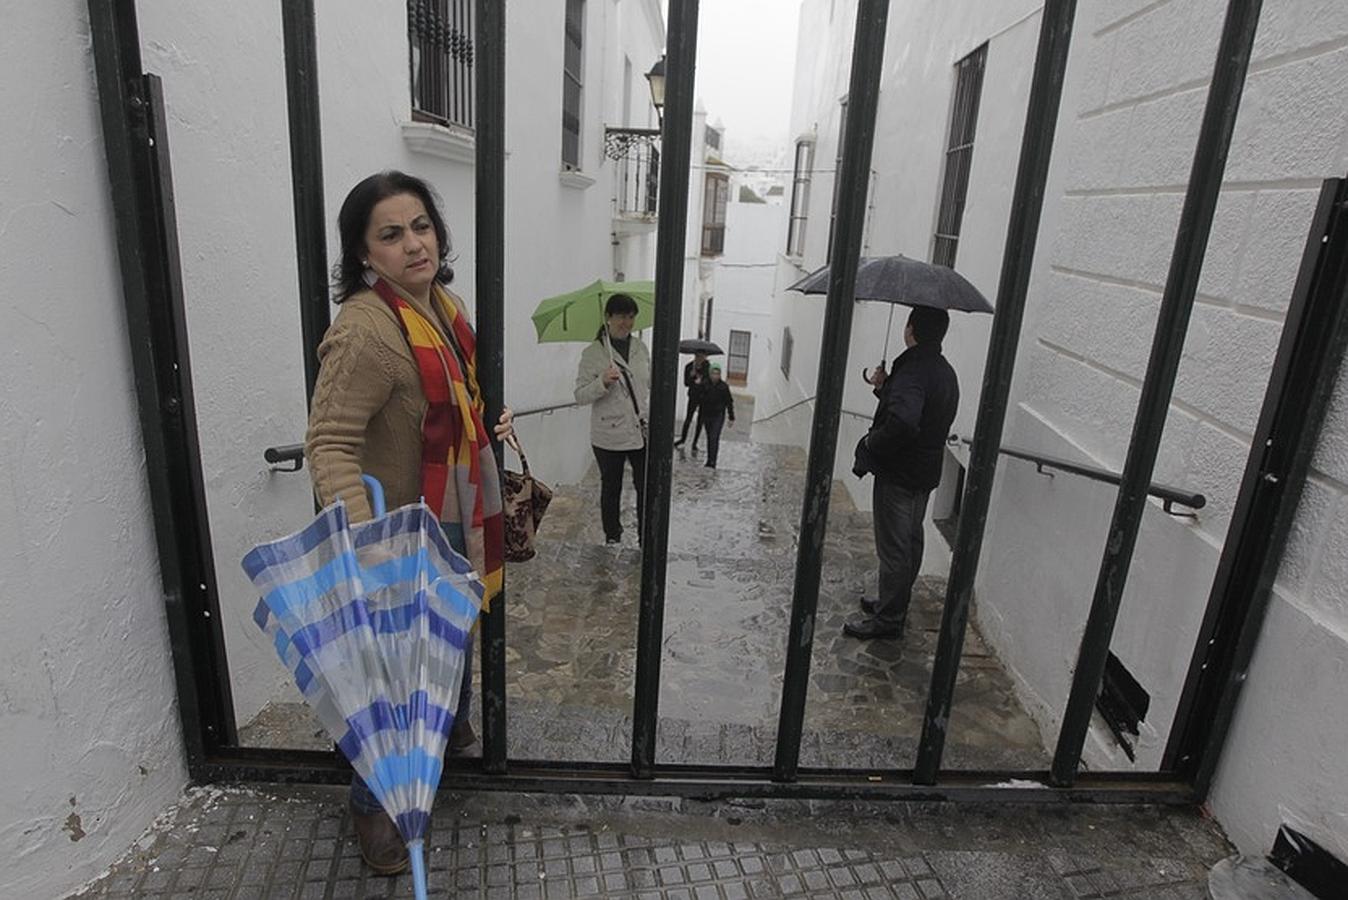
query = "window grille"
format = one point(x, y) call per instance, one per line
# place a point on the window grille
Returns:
point(737, 360)
point(958, 156)
point(440, 41)
point(800, 198)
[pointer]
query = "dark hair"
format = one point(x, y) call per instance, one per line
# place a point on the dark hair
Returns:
point(620, 305)
point(354, 218)
point(929, 325)
point(617, 305)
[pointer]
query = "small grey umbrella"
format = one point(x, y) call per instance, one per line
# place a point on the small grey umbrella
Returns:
point(697, 345)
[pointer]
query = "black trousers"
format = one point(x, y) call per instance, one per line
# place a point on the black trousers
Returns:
point(898, 513)
point(611, 464)
point(694, 409)
point(714, 422)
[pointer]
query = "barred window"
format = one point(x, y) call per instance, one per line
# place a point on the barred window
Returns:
point(958, 156)
point(800, 198)
point(716, 193)
point(440, 40)
point(572, 83)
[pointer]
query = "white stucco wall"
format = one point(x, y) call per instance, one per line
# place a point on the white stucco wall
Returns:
point(88, 720)
point(1135, 90)
point(223, 70)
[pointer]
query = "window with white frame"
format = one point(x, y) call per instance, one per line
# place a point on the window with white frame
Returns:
point(958, 156)
point(800, 198)
point(573, 85)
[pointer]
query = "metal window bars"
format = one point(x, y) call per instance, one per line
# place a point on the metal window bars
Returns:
point(959, 155)
point(441, 60)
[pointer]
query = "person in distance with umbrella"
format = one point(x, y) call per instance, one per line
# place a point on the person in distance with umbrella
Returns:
point(903, 450)
point(696, 377)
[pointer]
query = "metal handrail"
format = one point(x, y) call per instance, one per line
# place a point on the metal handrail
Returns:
point(290, 457)
point(544, 410)
point(1169, 496)
point(786, 409)
point(286, 453)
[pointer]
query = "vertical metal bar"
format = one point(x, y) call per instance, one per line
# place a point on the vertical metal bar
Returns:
point(1305, 370)
point(1036, 150)
point(140, 186)
point(1186, 264)
point(853, 181)
point(490, 39)
point(676, 140)
point(306, 179)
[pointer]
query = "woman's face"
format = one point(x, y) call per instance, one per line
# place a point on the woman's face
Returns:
point(400, 243)
point(715, 375)
point(620, 324)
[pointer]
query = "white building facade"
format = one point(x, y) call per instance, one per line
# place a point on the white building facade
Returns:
point(88, 721)
point(1136, 85)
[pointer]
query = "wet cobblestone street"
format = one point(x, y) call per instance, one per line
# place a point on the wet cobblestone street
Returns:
point(572, 624)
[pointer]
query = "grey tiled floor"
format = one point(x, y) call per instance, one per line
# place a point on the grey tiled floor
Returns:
point(297, 843)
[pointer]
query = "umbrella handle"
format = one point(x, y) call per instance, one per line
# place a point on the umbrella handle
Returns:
point(418, 868)
point(376, 494)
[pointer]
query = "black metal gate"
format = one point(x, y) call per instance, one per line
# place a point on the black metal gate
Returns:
point(1314, 339)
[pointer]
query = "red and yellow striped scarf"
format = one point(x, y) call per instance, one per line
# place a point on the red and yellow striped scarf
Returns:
point(459, 478)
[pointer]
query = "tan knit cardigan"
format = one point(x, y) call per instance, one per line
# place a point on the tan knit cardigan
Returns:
point(368, 406)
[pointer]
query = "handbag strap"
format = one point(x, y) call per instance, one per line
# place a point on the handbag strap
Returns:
point(513, 442)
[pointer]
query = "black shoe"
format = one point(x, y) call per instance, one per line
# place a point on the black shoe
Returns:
point(613, 540)
point(710, 465)
point(679, 443)
point(869, 607)
point(870, 628)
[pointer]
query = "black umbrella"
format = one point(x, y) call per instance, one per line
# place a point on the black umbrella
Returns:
point(697, 345)
point(898, 279)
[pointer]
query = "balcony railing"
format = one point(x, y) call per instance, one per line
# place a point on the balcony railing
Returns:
point(637, 173)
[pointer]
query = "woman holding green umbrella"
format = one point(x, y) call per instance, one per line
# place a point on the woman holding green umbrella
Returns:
point(614, 379)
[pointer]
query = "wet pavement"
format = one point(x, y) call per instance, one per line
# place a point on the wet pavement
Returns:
point(572, 625)
point(245, 844)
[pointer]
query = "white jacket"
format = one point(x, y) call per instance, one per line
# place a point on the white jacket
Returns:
point(614, 423)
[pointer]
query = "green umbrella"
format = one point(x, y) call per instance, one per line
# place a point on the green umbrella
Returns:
point(577, 316)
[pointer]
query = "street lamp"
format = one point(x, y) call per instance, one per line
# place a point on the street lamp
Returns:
point(656, 77)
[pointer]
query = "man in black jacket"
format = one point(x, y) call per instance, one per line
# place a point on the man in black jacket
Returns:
point(904, 450)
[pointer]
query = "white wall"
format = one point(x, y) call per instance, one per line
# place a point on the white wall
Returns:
point(744, 282)
point(88, 721)
point(1134, 94)
point(1136, 86)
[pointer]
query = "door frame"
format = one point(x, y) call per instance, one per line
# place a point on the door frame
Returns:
point(138, 162)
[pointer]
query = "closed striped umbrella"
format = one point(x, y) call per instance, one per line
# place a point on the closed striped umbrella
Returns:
point(371, 620)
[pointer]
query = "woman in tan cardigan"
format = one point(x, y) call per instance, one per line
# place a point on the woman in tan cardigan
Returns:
point(369, 408)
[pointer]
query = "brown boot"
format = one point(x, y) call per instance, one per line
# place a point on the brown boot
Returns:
point(461, 737)
point(381, 846)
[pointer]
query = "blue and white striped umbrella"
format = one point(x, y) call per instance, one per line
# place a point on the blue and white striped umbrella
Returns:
point(371, 619)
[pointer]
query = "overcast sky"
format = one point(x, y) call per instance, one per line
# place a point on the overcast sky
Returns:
point(746, 53)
